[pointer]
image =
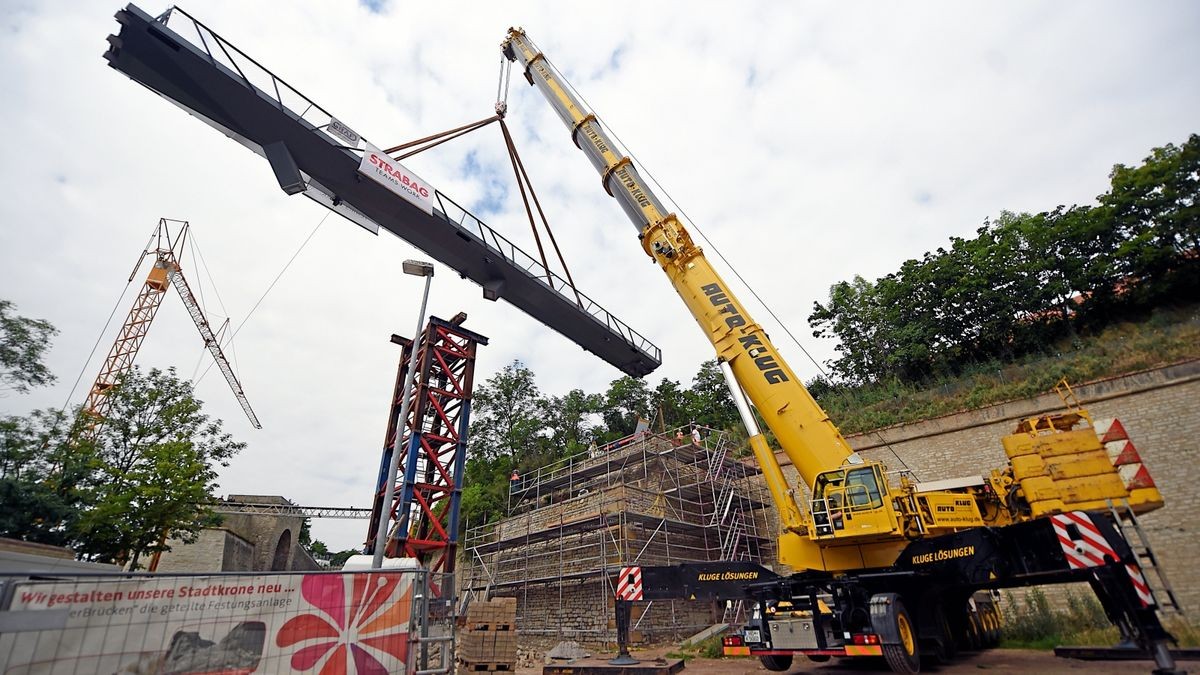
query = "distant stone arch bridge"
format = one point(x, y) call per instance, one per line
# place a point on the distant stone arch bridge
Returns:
point(257, 533)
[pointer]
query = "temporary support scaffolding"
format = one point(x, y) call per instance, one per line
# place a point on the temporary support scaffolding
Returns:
point(319, 156)
point(423, 505)
point(650, 499)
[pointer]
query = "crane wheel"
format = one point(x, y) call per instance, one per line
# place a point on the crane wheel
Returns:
point(974, 630)
point(775, 662)
point(993, 628)
point(895, 626)
point(943, 648)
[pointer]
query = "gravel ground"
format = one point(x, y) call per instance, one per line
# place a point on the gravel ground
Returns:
point(994, 661)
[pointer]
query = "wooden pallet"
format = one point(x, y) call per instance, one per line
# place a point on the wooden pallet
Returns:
point(486, 666)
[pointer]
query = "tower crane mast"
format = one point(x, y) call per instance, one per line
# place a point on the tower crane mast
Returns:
point(168, 240)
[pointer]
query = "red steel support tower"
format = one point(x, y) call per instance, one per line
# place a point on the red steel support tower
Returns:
point(423, 505)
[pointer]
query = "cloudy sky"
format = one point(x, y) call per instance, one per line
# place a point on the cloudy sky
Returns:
point(809, 141)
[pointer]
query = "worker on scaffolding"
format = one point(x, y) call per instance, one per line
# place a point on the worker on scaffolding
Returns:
point(514, 481)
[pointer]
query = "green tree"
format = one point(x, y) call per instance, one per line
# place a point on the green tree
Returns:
point(23, 344)
point(1026, 279)
point(341, 557)
point(45, 477)
point(506, 414)
point(1155, 208)
point(627, 399)
point(708, 400)
point(568, 422)
point(668, 406)
point(507, 423)
point(318, 549)
point(157, 454)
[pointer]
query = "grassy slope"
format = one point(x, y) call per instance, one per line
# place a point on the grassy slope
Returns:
point(1168, 336)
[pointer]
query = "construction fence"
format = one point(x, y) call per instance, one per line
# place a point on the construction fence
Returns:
point(143, 624)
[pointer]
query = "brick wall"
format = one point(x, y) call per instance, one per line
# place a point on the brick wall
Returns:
point(1160, 409)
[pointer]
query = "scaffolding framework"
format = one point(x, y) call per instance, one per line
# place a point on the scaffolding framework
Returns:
point(650, 499)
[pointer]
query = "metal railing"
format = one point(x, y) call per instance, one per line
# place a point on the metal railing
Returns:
point(236, 63)
point(295, 510)
point(496, 242)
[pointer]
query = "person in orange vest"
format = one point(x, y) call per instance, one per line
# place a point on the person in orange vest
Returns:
point(515, 481)
point(679, 436)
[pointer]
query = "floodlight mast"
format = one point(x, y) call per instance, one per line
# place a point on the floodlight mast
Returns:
point(417, 268)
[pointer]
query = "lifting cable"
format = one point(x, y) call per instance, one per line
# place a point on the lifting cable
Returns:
point(434, 140)
point(720, 255)
point(447, 135)
point(269, 287)
point(198, 258)
point(522, 181)
point(107, 323)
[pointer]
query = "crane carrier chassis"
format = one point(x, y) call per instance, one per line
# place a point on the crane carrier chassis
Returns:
point(937, 599)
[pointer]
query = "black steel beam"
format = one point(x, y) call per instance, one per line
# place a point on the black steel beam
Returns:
point(218, 83)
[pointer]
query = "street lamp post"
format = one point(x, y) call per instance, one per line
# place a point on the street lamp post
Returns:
point(416, 268)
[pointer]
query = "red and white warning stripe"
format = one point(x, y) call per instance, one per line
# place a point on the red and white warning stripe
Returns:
point(1139, 585)
point(1092, 550)
point(629, 584)
point(1123, 454)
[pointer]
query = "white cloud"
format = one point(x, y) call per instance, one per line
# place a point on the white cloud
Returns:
point(811, 142)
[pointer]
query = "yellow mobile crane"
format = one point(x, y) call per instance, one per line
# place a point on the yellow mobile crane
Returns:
point(887, 566)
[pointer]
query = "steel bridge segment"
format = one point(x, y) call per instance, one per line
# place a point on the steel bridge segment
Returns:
point(213, 80)
point(253, 509)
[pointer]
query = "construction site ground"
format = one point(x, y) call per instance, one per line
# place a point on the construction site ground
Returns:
point(994, 661)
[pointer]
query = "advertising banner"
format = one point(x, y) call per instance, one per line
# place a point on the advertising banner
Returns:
point(392, 175)
point(324, 624)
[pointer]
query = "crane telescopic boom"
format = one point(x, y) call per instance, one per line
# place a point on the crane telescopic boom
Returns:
point(803, 430)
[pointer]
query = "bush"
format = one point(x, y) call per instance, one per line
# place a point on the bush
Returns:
point(1166, 336)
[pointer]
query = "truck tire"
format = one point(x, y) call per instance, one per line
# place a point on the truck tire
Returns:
point(943, 648)
point(974, 629)
point(993, 627)
point(903, 656)
point(776, 662)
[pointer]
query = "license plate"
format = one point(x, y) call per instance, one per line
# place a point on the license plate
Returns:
point(752, 637)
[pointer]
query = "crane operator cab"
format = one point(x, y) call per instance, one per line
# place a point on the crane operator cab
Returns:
point(852, 502)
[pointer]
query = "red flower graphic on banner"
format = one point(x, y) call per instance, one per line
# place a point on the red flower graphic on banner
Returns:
point(363, 620)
